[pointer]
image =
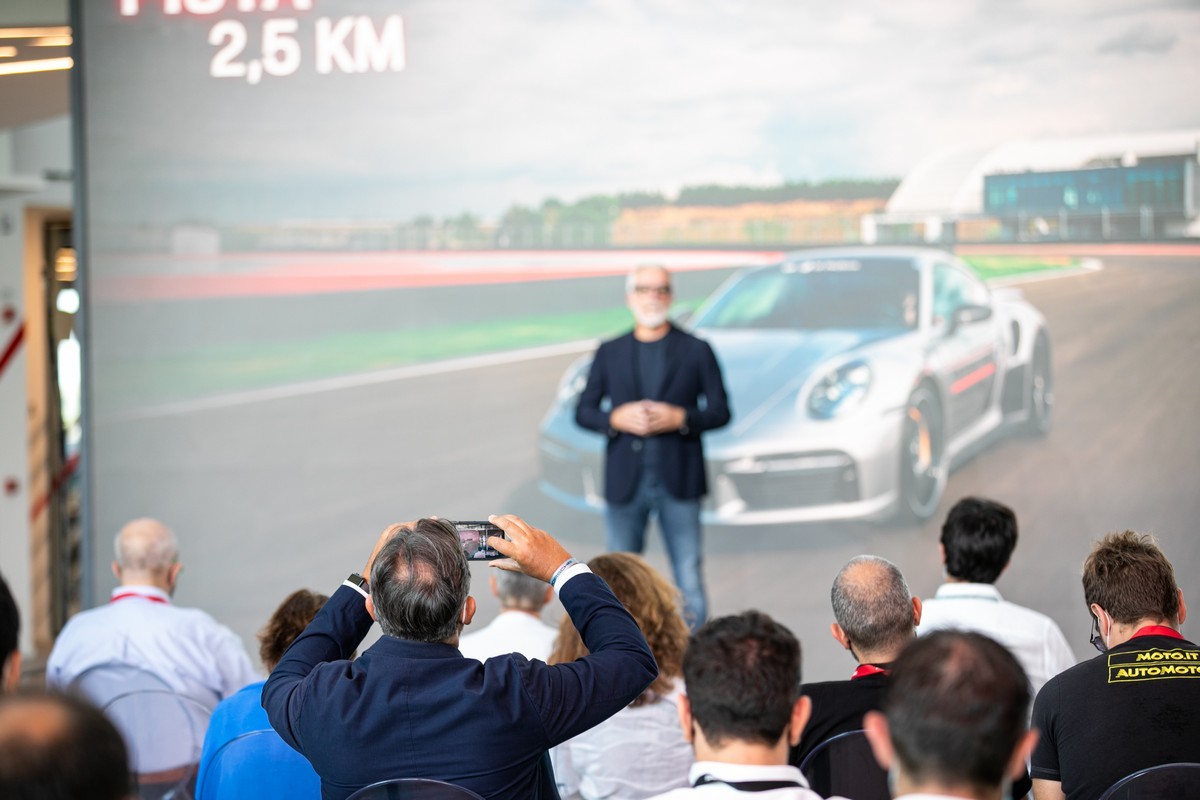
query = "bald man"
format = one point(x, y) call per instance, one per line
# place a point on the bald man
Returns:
point(140, 626)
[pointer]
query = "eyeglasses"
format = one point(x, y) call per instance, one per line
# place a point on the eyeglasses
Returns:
point(661, 291)
point(1096, 639)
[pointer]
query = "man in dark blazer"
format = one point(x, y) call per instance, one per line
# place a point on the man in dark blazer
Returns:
point(413, 706)
point(652, 392)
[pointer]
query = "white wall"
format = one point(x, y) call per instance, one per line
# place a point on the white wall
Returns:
point(25, 154)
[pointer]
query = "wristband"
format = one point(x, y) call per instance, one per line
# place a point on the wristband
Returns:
point(570, 562)
point(358, 583)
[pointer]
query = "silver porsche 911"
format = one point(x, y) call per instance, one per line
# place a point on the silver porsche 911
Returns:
point(858, 378)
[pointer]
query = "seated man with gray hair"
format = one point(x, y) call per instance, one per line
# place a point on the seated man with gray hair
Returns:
point(876, 617)
point(519, 627)
point(140, 626)
point(411, 706)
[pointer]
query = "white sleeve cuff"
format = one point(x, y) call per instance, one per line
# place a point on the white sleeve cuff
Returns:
point(356, 588)
point(567, 574)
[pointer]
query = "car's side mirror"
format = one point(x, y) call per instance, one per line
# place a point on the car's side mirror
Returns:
point(967, 314)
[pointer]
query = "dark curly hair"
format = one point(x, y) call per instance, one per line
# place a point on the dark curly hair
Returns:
point(288, 621)
point(652, 602)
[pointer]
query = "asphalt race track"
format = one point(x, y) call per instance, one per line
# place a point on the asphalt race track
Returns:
point(337, 466)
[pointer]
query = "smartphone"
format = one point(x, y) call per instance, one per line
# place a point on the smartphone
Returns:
point(473, 536)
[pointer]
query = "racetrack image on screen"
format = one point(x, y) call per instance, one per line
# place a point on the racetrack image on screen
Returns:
point(347, 262)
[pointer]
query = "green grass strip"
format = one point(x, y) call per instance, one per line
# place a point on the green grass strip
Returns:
point(993, 267)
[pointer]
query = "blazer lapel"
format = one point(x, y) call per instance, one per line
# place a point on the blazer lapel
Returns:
point(674, 342)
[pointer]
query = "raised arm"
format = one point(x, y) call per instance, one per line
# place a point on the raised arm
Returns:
point(333, 635)
point(577, 696)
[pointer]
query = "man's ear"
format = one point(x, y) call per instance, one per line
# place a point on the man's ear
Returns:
point(1182, 608)
point(839, 634)
point(1021, 755)
point(685, 718)
point(173, 574)
point(876, 727)
point(801, 711)
point(116, 568)
point(492, 584)
point(942, 553)
point(10, 675)
point(549, 596)
point(468, 610)
point(916, 612)
point(370, 604)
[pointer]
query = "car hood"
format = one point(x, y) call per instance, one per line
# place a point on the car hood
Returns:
point(760, 367)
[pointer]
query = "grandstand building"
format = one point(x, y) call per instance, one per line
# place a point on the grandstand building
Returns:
point(1117, 187)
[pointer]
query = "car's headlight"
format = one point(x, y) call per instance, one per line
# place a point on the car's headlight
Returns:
point(840, 389)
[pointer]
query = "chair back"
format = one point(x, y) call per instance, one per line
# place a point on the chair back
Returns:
point(413, 789)
point(164, 733)
point(163, 730)
point(258, 765)
point(844, 765)
point(103, 682)
point(1180, 781)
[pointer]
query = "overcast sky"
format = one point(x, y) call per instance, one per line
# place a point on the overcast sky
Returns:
point(515, 101)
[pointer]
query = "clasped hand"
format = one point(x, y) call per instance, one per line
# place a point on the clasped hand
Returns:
point(646, 417)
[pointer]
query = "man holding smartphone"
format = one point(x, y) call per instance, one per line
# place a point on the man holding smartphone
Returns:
point(407, 705)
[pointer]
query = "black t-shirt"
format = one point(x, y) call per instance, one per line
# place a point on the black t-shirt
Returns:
point(651, 369)
point(1136, 706)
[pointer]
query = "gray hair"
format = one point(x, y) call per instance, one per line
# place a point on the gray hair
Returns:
point(145, 545)
point(518, 590)
point(872, 604)
point(420, 582)
point(631, 278)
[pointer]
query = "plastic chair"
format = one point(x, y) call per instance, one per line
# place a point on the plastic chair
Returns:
point(164, 733)
point(413, 789)
point(844, 765)
point(1180, 781)
point(163, 730)
point(258, 765)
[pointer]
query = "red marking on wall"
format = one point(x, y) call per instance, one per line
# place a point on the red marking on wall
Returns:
point(972, 378)
point(64, 474)
point(10, 350)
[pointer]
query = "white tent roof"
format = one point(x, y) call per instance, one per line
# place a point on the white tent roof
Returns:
point(952, 182)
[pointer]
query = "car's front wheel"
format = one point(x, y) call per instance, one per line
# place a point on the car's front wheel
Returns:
point(1041, 389)
point(922, 460)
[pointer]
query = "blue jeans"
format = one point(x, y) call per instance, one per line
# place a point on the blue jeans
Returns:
point(625, 530)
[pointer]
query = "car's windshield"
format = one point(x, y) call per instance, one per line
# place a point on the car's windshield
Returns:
point(820, 293)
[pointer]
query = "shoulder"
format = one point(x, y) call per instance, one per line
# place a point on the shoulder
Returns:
point(624, 340)
point(1081, 676)
point(688, 340)
point(830, 689)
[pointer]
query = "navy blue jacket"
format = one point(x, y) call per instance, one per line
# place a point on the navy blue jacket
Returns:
point(407, 709)
point(692, 381)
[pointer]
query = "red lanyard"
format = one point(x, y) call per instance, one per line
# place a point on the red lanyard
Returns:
point(127, 595)
point(867, 669)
